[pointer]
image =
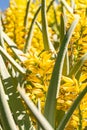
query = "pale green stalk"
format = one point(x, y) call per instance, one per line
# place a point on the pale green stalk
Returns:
point(26, 14)
point(53, 90)
point(10, 83)
point(12, 61)
point(19, 54)
point(30, 33)
point(75, 69)
point(1, 38)
point(41, 119)
point(62, 33)
point(6, 115)
point(67, 6)
point(46, 41)
point(72, 4)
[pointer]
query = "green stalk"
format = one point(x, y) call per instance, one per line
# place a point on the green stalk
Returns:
point(12, 61)
point(3, 70)
point(62, 33)
point(6, 115)
point(47, 44)
point(80, 118)
point(55, 17)
point(37, 23)
point(41, 119)
point(71, 110)
point(67, 6)
point(1, 38)
point(19, 54)
point(78, 65)
point(72, 4)
point(62, 23)
point(53, 90)
point(30, 33)
point(39, 108)
point(10, 87)
point(26, 14)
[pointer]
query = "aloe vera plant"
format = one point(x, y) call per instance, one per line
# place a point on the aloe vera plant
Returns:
point(16, 104)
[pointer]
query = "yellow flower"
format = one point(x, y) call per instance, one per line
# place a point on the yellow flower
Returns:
point(39, 63)
point(69, 90)
point(14, 21)
point(40, 69)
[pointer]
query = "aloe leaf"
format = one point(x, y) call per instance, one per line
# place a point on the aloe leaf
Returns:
point(71, 110)
point(30, 33)
point(67, 6)
point(3, 69)
point(55, 17)
point(39, 108)
point(13, 46)
point(41, 119)
point(62, 33)
point(47, 44)
point(12, 61)
point(78, 65)
point(26, 14)
point(72, 4)
point(39, 25)
point(1, 38)
point(66, 65)
point(62, 23)
point(5, 112)
point(18, 110)
point(53, 90)
point(59, 116)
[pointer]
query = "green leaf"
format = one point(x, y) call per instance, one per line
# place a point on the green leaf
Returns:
point(3, 69)
point(1, 38)
point(5, 112)
point(78, 65)
point(47, 44)
point(30, 33)
point(39, 108)
point(26, 14)
point(66, 65)
point(41, 119)
point(71, 110)
point(57, 26)
point(62, 33)
point(13, 46)
point(59, 116)
point(62, 23)
point(72, 4)
point(53, 90)
point(67, 6)
point(18, 109)
point(39, 25)
point(12, 61)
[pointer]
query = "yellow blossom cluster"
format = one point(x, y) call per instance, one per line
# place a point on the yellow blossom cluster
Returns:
point(69, 90)
point(14, 22)
point(39, 74)
point(79, 40)
point(40, 62)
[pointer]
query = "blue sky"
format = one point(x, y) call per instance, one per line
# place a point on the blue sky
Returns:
point(4, 4)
